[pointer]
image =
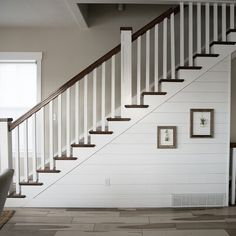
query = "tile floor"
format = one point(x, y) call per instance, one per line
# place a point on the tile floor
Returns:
point(121, 222)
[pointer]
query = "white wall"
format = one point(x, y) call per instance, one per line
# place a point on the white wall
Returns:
point(66, 51)
point(132, 172)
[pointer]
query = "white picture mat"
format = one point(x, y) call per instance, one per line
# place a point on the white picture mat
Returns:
point(163, 136)
point(197, 128)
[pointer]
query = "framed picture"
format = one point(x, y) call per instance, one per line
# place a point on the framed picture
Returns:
point(167, 137)
point(201, 123)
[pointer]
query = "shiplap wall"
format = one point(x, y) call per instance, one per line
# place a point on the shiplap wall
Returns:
point(132, 172)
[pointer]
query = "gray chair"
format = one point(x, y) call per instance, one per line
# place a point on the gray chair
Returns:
point(5, 182)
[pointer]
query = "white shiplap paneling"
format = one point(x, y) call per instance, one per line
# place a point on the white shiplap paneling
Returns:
point(132, 172)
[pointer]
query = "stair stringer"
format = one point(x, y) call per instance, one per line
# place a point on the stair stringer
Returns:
point(119, 128)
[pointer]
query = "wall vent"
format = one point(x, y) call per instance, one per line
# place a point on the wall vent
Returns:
point(199, 200)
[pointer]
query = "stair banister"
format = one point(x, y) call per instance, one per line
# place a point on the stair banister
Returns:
point(190, 33)
point(156, 58)
point(51, 136)
point(181, 34)
point(207, 27)
point(232, 15)
point(165, 49)
point(126, 66)
point(34, 148)
point(223, 7)
point(68, 123)
point(5, 144)
point(199, 28)
point(215, 22)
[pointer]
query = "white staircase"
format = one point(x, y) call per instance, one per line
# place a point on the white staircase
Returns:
point(63, 182)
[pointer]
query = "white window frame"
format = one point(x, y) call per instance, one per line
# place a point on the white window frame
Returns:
point(27, 56)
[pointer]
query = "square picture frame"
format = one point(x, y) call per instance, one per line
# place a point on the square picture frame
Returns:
point(167, 137)
point(201, 123)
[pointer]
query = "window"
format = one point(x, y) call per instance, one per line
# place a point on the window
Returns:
point(20, 83)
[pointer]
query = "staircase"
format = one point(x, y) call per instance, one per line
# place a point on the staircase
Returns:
point(65, 163)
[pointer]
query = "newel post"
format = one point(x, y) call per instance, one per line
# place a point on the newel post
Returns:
point(5, 144)
point(126, 66)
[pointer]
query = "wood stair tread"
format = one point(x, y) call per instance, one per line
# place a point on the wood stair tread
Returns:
point(233, 145)
point(205, 55)
point(64, 158)
point(118, 119)
point(222, 43)
point(83, 145)
point(14, 195)
point(100, 132)
point(171, 80)
point(154, 93)
point(189, 68)
point(31, 183)
point(47, 170)
point(230, 31)
point(136, 106)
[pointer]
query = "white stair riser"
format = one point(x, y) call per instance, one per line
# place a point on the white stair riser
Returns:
point(154, 100)
point(119, 126)
point(172, 87)
point(231, 37)
point(188, 74)
point(102, 139)
point(223, 50)
point(205, 61)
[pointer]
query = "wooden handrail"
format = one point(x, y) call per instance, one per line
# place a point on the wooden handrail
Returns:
point(233, 145)
point(91, 67)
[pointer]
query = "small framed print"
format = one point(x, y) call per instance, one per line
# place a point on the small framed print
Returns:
point(201, 123)
point(167, 138)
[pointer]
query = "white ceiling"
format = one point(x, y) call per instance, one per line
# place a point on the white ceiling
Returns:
point(52, 13)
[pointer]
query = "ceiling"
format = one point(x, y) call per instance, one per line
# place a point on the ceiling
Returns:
point(53, 13)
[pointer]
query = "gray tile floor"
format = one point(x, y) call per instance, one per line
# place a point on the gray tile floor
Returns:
point(121, 222)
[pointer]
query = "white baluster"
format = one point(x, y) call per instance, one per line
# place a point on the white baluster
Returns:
point(199, 30)
point(51, 135)
point(103, 95)
point(26, 153)
point(85, 109)
point(165, 49)
point(190, 31)
point(148, 61)
point(43, 161)
point(207, 27)
point(215, 38)
point(126, 68)
point(172, 38)
point(59, 125)
point(139, 70)
point(68, 127)
point(34, 142)
point(156, 72)
point(223, 22)
point(17, 160)
point(95, 99)
point(181, 34)
point(232, 16)
point(113, 84)
point(77, 112)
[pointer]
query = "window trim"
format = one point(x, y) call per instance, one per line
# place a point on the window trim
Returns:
point(30, 56)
